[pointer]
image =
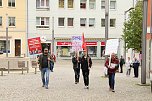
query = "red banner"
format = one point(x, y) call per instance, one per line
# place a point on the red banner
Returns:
point(91, 43)
point(103, 43)
point(34, 45)
point(64, 43)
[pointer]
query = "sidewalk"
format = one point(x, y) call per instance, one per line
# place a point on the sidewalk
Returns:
point(27, 87)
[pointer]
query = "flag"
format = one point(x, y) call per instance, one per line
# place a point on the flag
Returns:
point(83, 43)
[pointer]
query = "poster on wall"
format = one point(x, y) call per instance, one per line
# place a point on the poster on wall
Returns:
point(76, 43)
point(34, 45)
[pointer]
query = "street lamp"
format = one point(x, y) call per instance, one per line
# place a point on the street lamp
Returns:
point(125, 30)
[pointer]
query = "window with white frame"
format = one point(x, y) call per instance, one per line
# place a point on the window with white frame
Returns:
point(83, 21)
point(11, 3)
point(112, 22)
point(113, 4)
point(61, 3)
point(91, 22)
point(92, 4)
point(11, 21)
point(42, 22)
point(61, 21)
point(70, 21)
point(3, 46)
point(102, 22)
point(42, 3)
point(70, 3)
point(0, 21)
point(83, 4)
point(102, 4)
point(0, 3)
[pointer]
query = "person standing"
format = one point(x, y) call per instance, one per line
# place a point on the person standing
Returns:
point(53, 60)
point(86, 64)
point(112, 66)
point(122, 62)
point(128, 66)
point(76, 67)
point(136, 64)
point(44, 66)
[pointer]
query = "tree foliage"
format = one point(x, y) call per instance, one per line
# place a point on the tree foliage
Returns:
point(133, 28)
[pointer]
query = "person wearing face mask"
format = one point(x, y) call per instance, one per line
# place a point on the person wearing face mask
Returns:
point(86, 64)
point(44, 66)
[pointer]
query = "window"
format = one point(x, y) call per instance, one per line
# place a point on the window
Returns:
point(83, 4)
point(42, 22)
point(42, 3)
point(91, 22)
point(61, 21)
point(102, 4)
point(11, 21)
point(102, 22)
point(113, 4)
point(92, 4)
point(11, 3)
point(61, 3)
point(112, 22)
point(0, 2)
point(70, 3)
point(3, 46)
point(70, 21)
point(0, 21)
point(82, 21)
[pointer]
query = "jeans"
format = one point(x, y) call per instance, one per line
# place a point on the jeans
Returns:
point(86, 77)
point(45, 76)
point(112, 80)
point(77, 74)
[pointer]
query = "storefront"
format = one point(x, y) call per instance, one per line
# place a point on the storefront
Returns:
point(102, 44)
point(92, 49)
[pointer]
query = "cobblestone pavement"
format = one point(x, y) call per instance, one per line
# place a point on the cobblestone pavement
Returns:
point(27, 87)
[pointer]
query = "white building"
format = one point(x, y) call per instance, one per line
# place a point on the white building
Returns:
point(74, 17)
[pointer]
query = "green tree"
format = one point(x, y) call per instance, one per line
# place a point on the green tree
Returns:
point(133, 28)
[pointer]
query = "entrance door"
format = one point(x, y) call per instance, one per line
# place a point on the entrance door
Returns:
point(17, 47)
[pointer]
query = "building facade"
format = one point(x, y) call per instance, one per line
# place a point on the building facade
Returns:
point(13, 12)
point(72, 18)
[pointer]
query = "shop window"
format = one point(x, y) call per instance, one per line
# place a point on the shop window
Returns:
point(61, 3)
point(83, 4)
point(92, 51)
point(83, 22)
point(11, 3)
point(0, 21)
point(3, 46)
point(61, 21)
point(70, 3)
point(42, 22)
point(112, 4)
point(64, 51)
point(102, 4)
point(102, 22)
point(0, 3)
point(91, 22)
point(70, 21)
point(42, 4)
point(92, 4)
point(112, 22)
point(11, 21)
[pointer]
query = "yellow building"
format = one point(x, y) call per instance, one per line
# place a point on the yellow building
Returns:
point(15, 12)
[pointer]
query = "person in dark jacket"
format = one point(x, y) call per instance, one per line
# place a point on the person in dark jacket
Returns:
point(136, 64)
point(122, 62)
point(112, 67)
point(44, 66)
point(76, 67)
point(86, 64)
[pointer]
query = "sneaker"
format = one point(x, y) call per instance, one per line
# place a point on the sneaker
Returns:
point(113, 90)
point(46, 87)
point(76, 82)
point(87, 87)
point(42, 85)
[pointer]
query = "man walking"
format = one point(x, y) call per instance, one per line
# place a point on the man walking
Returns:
point(122, 62)
point(86, 64)
point(112, 67)
point(76, 67)
point(44, 66)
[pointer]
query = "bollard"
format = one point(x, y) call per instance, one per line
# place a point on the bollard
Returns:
point(27, 67)
point(22, 70)
point(35, 70)
point(2, 72)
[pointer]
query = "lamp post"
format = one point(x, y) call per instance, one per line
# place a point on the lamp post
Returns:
point(6, 35)
point(125, 30)
point(143, 67)
point(106, 22)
